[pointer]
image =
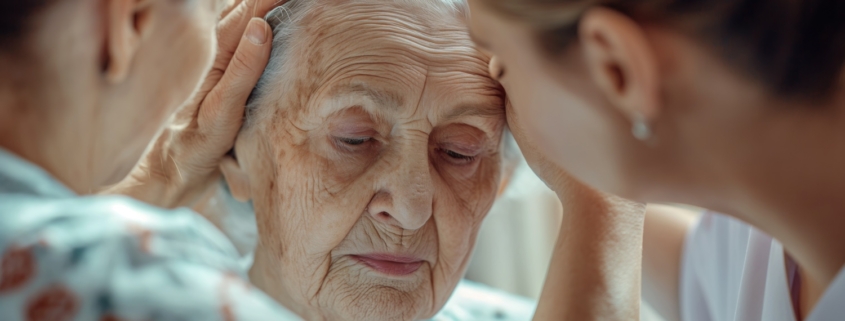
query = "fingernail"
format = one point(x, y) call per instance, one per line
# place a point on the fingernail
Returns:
point(255, 31)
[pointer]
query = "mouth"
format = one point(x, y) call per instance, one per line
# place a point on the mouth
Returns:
point(389, 264)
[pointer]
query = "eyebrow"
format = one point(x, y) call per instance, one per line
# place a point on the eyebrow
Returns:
point(383, 98)
point(387, 98)
point(482, 110)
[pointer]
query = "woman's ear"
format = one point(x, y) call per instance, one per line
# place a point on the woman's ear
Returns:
point(237, 178)
point(621, 61)
point(127, 21)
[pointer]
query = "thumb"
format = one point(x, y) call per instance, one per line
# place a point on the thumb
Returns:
point(224, 106)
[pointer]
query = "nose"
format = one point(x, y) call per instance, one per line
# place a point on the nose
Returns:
point(406, 193)
point(495, 68)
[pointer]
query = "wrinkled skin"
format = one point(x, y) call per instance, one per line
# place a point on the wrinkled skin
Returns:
point(386, 140)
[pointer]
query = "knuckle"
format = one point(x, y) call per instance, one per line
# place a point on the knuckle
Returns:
point(241, 65)
point(214, 99)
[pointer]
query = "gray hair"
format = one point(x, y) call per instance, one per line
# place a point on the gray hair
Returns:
point(286, 20)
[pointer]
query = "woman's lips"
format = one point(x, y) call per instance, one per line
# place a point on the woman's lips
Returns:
point(391, 264)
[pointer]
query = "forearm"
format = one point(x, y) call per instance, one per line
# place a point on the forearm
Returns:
point(596, 265)
point(665, 229)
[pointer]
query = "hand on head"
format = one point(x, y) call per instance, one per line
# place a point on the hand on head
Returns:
point(182, 163)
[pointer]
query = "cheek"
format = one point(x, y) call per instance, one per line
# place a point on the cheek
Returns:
point(457, 219)
point(197, 64)
point(192, 59)
point(461, 207)
point(299, 220)
point(565, 121)
point(300, 201)
point(310, 204)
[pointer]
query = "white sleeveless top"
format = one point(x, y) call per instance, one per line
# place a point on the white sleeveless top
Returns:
point(734, 272)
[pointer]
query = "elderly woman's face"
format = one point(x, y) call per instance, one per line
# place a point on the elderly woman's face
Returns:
point(375, 165)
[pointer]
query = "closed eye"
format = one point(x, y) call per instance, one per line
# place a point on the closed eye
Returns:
point(355, 141)
point(458, 158)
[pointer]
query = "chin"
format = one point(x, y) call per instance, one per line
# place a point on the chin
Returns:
point(381, 304)
point(368, 298)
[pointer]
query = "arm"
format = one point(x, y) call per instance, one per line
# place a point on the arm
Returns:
point(595, 268)
point(666, 228)
point(594, 272)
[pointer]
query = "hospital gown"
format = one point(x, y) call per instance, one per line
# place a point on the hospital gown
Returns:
point(110, 258)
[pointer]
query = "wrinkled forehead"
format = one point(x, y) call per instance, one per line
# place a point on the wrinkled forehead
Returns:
point(430, 21)
point(391, 44)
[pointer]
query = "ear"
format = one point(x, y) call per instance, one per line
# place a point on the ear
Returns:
point(237, 178)
point(621, 61)
point(128, 21)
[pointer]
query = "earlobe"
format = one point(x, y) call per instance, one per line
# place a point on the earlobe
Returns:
point(621, 61)
point(127, 22)
point(237, 179)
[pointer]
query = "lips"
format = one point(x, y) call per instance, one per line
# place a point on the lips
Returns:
point(391, 264)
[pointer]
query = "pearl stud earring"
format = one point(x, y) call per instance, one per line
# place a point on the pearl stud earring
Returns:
point(640, 128)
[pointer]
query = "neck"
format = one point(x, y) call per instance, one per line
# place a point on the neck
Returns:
point(787, 179)
point(45, 135)
point(807, 219)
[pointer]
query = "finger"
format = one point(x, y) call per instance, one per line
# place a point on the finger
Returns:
point(222, 111)
point(234, 4)
point(233, 25)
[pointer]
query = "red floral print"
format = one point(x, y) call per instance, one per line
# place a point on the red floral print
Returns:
point(55, 303)
point(109, 317)
point(16, 269)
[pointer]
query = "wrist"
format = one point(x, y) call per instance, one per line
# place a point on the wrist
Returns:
point(594, 217)
point(150, 181)
point(144, 184)
point(595, 267)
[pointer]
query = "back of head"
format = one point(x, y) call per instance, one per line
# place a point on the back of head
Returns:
point(795, 48)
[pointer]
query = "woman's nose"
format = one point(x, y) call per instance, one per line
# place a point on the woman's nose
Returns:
point(495, 68)
point(407, 195)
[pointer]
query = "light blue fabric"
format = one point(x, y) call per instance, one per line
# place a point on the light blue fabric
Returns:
point(475, 301)
point(67, 257)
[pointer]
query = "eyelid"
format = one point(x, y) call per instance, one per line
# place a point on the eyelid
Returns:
point(463, 149)
point(351, 125)
point(354, 128)
point(456, 158)
point(346, 145)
